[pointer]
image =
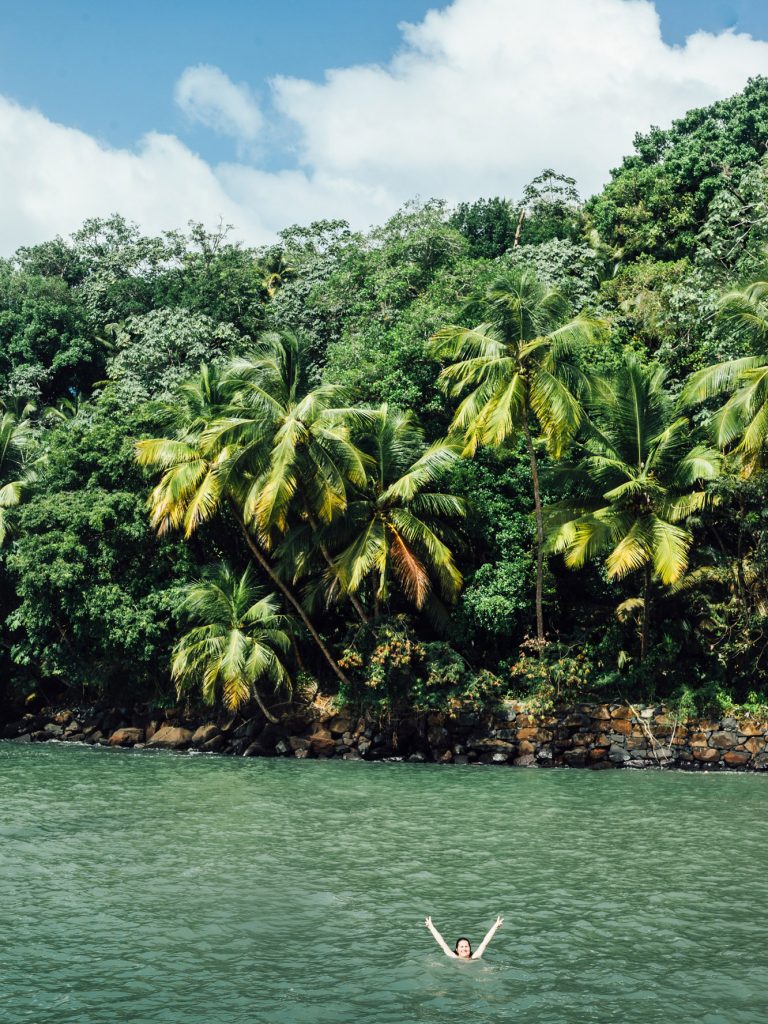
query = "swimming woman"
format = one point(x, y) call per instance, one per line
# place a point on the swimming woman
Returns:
point(463, 950)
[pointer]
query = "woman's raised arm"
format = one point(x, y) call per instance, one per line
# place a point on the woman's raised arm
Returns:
point(491, 932)
point(439, 939)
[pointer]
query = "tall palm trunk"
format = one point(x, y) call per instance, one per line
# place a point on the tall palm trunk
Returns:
point(265, 564)
point(539, 533)
point(646, 614)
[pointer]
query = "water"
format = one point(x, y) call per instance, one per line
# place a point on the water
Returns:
point(145, 887)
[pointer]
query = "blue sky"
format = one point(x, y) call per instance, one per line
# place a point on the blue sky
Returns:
point(266, 114)
point(110, 68)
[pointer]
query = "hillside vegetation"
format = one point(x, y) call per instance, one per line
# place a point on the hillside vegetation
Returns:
point(513, 447)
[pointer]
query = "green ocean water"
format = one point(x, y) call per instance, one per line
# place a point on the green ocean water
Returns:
point(140, 886)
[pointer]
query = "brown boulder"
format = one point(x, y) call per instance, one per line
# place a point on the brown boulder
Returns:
point(214, 744)
point(723, 739)
point(736, 757)
point(622, 726)
point(707, 754)
point(126, 737)
point(170, 737)
point(338, 725)
point(322, 744)
point(752, 729)
point(755, 744)
point(622, 712)
point(204, 733)
point(601, 713)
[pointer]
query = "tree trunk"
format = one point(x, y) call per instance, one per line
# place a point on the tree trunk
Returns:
point(539, 534)
point(263, 561)
point(267, 714)
point(329, 562)
point(519, 228)
point(646, 614)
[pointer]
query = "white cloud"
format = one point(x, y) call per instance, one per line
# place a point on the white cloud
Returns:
point(482, 95)
point(208, 96)
point(487, 92)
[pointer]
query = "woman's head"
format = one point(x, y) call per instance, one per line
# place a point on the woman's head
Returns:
point(463, 949)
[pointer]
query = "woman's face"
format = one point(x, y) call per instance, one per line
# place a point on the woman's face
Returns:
point(463, 949)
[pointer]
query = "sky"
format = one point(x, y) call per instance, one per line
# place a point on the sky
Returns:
point(265, 114)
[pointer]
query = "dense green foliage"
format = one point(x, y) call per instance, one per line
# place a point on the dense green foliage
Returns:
point(516, 446)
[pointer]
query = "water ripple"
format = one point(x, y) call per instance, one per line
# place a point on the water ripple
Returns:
point(149, 888)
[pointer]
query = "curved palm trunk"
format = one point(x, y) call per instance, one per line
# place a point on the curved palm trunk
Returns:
point(265, 564)
point(539, 534)
point(267, 714)
point(354, 600)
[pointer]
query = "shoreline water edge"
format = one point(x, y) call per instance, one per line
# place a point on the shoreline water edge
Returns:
point(593, 736)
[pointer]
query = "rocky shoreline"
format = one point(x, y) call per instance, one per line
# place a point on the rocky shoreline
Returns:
point(595, 736)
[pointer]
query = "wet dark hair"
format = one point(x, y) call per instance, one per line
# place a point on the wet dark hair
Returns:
point(461, 938)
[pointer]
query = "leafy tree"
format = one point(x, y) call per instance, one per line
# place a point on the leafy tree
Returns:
point(155, 352)
point(496, 603)
point(660, 197)
point(550, 208)
point(647, 479)
point(488, 225)
point(519, 363)
point(240, 640)
point(47, 349)
point(89, 577)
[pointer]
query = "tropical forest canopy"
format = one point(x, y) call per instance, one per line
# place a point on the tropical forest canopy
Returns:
point(513, 447)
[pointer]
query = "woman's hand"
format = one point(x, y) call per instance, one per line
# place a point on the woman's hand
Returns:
point(428, 923)
point(499, 922)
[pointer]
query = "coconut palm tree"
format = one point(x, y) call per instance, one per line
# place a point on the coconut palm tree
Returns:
point(240, 640)
point(516, 368)
point(743, 420)
point(646, 478)
point(220, 457)
point(294, 439)
point(396, 527)
point(289, 444)
point(15, 437)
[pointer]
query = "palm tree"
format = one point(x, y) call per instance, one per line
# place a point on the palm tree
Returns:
point(398, 524)
point(744, 417)
point(275, 270)
point(192, 487)
point(646, 478)
point(290, 445)
point(220, 456)
point(240, 640)
point(519, 366)
point(15, 438)
point(295, 440)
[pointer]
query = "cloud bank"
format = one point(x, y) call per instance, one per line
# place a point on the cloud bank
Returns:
point(480, 97)
point(208, 96)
